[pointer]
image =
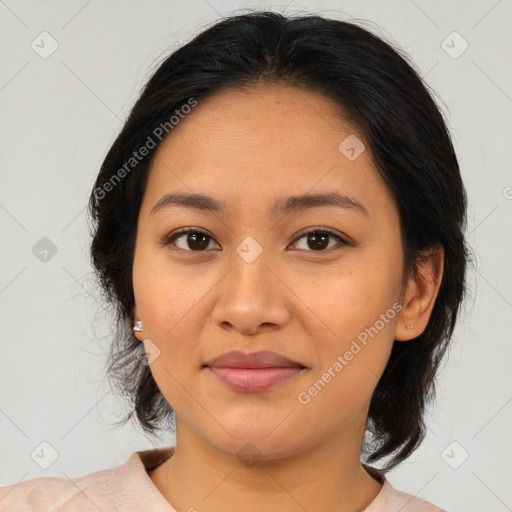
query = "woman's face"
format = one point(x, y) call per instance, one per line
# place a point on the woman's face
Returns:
point(257, 282)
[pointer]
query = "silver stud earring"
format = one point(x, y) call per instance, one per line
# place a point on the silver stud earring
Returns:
point(409, 327)
point(138, 326)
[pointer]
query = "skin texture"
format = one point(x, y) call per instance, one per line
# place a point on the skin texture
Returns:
point(249, 148)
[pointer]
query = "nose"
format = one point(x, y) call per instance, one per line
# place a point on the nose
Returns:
point(252, 297)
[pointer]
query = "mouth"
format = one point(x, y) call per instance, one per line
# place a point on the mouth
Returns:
point(255, 379)
point(254, 372)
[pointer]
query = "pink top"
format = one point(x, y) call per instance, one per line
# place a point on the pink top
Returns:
point(128, 487)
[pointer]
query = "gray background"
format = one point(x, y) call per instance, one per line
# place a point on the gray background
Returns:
point(60, 114)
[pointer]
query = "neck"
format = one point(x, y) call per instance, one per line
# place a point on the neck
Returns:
point(326, 476)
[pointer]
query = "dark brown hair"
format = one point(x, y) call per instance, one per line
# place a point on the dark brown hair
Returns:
point(380, 90)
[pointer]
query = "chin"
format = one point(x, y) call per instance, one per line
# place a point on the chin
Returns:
point(254, 443)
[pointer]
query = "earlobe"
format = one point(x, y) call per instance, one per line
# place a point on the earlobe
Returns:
point(137, 325)
point(405, 328)
point(421, 293)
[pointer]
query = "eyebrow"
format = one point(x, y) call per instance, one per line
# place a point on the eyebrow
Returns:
point(281, 206)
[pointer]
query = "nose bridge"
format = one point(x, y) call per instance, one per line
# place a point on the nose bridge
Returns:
point(251, 258)
point(250, 295)
point(250, 272)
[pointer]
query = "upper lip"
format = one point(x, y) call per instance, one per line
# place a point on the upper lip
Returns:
point(261, 359)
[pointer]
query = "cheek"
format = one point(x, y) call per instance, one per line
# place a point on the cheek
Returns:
point(351, 361)
point(171, 302)
point(359, 311)
point(176, 319)
point(353, 297)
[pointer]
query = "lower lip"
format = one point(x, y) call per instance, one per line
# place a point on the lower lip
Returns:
point(254, 379)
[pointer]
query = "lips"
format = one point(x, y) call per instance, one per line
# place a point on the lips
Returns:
point(254, 372)
point(262, 359)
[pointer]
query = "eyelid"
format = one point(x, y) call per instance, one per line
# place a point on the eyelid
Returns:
point(185, 231)
point(320, 229)
point(343, 240)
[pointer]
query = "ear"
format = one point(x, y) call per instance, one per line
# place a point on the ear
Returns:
point(421, 290)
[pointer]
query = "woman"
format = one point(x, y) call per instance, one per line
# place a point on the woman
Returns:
point(280, 229)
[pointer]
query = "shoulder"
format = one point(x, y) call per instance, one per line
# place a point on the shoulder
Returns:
point(122, 488)
point(58, 494)
point(390, 499)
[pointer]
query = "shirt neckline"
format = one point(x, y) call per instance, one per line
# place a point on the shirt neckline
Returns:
point(147, 460)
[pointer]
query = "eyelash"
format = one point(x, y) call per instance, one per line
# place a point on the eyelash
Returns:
point(185, 231)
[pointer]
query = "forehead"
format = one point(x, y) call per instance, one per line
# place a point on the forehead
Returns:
point(269, 141)
point(259, 113)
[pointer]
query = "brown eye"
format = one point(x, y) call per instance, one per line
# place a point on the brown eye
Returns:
point(318, 239)
point(194, 240)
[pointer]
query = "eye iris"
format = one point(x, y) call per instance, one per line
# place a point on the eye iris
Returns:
point(200, 240)
point(318, 240)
